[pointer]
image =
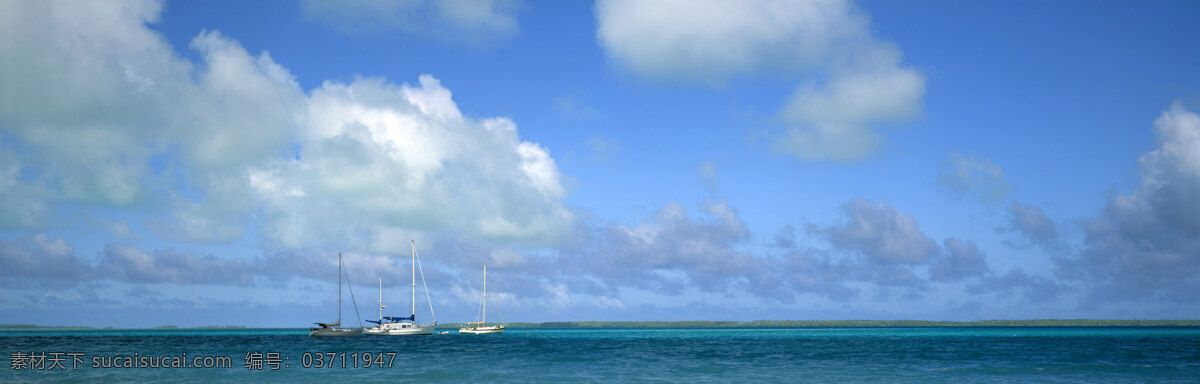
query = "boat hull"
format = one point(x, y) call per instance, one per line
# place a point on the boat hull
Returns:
point(401, 331)
point(335, 332)
point(481, 330)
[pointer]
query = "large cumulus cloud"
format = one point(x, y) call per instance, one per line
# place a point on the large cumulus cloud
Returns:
point(86, 89)
point(99, 111)
point(381, 157)
point(1146, 244)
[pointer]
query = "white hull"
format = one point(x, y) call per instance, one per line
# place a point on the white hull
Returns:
point(481, 330)
point(335, 332)
point(389, 330)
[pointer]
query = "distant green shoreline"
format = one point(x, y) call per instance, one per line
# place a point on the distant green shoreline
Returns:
point(750, 324)
point(861, 323)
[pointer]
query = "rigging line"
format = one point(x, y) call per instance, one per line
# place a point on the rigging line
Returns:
point(431, 314)
point(479, 311)
point(352, 299)
point(497, 302)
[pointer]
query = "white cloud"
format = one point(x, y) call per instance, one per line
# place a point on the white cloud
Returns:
point(540, 170)
point(458, 21)
point(839, 121)
point(245, 109)
point(853, 83)
point(714, 41)
point(102, 112)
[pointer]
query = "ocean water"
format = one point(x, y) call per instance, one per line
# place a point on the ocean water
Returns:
point(843, 355)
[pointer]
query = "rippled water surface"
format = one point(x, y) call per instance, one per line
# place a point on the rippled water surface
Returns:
point(927, 355)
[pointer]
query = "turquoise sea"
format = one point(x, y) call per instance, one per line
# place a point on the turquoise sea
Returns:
point(538, 355)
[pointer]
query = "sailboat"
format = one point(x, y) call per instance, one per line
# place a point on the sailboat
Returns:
point(335, 329)
point(481, 327)
point(397, 326)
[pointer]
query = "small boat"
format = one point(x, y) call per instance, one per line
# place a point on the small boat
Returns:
point(335, 329)
point(400, 326)
point(481, 327)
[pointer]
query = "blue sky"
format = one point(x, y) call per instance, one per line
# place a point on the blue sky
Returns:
point(198, 163)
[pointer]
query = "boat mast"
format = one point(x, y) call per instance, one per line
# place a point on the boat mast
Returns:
point(414, 282)
point(484, 295)
point(380, 298)
point(339, 322)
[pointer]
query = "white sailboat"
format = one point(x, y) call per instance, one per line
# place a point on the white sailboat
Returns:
point(481, 327)
point(399, 326)
point(335, 329)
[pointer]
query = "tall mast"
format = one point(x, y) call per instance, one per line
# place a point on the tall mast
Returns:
point(414, 282)
point(340, 289)
point(485, 294)
point(381, 298)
